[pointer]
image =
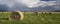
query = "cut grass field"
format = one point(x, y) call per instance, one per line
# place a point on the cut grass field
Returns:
point(31, 18)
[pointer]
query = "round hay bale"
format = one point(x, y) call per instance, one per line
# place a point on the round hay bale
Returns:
point(17, 16)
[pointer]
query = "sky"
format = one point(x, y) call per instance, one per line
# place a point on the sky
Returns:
point(30, 3)
point(37, 3)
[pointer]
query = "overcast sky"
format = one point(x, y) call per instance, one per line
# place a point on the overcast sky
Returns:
point(30, 3)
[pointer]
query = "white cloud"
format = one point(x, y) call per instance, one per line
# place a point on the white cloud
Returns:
point(28, 3)
point(36, 3)
point(9, 3)
point(51, 3)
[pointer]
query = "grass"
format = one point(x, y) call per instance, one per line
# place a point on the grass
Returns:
point(31, 18)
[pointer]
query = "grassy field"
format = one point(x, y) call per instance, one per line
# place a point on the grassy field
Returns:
point(31, 18)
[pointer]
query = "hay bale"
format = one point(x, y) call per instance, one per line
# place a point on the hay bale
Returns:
point(36, 13)
point(16, 16)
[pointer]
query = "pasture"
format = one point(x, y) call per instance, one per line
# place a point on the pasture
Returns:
point(31, 18)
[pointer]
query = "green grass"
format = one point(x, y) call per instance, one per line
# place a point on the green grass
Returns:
point(31, 18)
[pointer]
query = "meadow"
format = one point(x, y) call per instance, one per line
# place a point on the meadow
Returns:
point(31, 18)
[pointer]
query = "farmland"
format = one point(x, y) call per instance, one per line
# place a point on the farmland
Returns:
point(31, 18)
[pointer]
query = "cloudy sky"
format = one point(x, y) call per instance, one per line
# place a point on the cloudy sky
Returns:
point(30, 3)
